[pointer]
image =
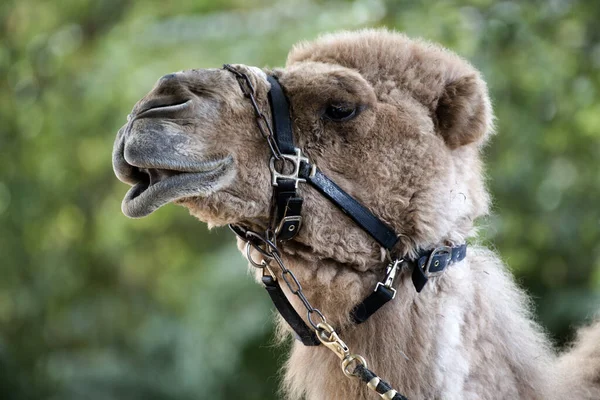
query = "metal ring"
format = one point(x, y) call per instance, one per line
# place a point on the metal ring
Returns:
point(262, 264)
point(284, 163)
point(347, 361)
point(309, 315)
point(257, 247)
point(262, 251)
point(253, 236)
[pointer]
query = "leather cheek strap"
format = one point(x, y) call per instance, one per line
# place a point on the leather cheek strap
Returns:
point(282, 121)
point(381, 232)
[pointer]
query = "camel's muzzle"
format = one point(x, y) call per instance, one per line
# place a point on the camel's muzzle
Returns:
point(158, 187)
point(150, 159)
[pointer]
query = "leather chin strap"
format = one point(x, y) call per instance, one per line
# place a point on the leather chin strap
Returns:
point(286, 222)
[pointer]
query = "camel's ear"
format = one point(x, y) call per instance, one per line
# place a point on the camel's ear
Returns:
point(463, 113)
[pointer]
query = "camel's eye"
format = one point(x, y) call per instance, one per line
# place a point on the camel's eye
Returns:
point(340, 112)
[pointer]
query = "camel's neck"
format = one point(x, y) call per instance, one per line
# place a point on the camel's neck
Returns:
point(401, 335)
point(337, 288)
point(425, 344)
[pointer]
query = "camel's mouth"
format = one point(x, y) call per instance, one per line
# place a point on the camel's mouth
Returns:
point(157, 187)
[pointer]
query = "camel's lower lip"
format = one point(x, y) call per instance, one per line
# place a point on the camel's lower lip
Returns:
point(144, 198)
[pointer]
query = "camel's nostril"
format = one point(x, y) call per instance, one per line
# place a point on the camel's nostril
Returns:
point(163, 106)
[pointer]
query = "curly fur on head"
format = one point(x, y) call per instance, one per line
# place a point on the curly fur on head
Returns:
point(412, 156)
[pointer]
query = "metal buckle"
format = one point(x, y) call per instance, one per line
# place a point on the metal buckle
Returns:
point(435, 252)
point(296, 159)
point(292, 228)
point(391, 272)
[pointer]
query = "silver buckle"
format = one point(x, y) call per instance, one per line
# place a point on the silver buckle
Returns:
point(435, 252)
point(391, 272)
point(291, 228)
point(296, 159)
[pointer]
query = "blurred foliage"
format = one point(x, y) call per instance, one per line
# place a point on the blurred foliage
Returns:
point(96, 306)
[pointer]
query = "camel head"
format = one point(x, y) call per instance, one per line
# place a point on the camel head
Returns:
point(397, 123)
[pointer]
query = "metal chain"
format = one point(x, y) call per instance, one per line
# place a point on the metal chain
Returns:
point(353, 365)
point(326, 333)
point(270, 252)
point(296, 289)
point(261, 119)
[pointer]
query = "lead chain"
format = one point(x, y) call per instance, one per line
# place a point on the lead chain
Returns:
point(353, 365)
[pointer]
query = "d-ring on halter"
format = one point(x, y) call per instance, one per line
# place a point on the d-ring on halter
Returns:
point(286, 221)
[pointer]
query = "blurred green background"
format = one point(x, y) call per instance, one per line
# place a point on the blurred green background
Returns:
point(96, 306)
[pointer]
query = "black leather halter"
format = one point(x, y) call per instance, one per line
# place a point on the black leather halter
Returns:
point(304, 171)
point(286, 220)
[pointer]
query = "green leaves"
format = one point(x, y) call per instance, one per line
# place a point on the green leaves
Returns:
point(93, 303)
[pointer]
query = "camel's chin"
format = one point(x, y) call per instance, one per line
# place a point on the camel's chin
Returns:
point(201, 209)
point(144, 198)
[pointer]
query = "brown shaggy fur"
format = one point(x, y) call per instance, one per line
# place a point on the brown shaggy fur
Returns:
point(412, 155)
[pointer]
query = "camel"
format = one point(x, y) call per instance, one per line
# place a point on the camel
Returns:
point(398, 124)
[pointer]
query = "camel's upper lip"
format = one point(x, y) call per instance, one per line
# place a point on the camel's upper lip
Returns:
point(158, 185)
